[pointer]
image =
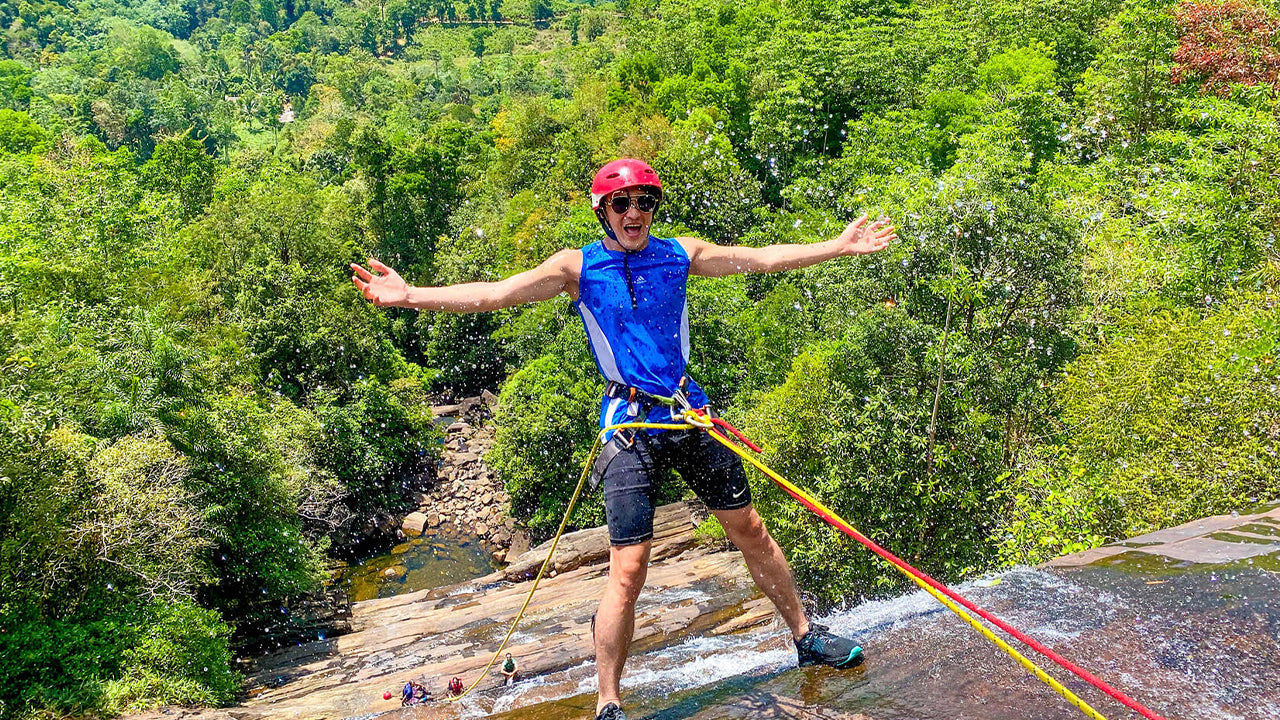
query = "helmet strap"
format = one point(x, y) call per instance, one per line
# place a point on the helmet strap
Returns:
point(604, 222)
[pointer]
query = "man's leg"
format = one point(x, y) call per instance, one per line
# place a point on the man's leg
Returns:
point(767, 564)
point(616, 618)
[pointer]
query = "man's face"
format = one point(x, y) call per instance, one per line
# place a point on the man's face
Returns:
point(631, 227)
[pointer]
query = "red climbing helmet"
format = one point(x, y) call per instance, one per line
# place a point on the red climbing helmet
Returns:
point(621, 174)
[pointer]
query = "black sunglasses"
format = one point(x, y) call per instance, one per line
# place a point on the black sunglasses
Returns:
point(644, 203)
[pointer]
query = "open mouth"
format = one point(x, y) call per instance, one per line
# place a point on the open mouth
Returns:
point(632, 228)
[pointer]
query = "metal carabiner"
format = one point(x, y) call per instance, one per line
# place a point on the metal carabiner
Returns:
point(681, 399)
point(681, 394)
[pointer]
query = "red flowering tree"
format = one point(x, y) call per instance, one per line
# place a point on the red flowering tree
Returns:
point(1227, 43)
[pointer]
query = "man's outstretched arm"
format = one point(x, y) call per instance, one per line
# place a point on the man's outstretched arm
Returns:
point(859, 238)
point(384, 287)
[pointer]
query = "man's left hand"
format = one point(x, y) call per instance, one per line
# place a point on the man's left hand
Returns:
point(860, 238)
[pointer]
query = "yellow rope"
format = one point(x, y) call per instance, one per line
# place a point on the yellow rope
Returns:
point(694, 421)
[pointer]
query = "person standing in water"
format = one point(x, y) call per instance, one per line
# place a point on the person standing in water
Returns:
point(629, 287)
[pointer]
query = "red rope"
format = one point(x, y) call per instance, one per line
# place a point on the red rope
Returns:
point(737, 433)
point(848, 529)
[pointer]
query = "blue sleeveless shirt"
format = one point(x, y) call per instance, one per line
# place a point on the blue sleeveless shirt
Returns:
point(638, 327)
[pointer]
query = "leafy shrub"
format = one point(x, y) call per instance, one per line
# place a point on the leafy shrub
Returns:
point(181, 657)
point(19, 133)
point(374, 439)
point(1053, 507)
point(1178, 416)
point(547, 419)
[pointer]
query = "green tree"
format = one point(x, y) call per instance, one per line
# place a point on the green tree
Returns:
point(540, 12)
point(181, 657)
point(850, 424)
point(546, 421)
point(716, 197)
point(1023, 82)
point(573, 22)
point(240, 12)
point(147, 53)
point(1176, 415)
point(593, 24)
point(478, 36)
point(19, 133)
point(180, 167)
point(1129, 88)
point(15, 85)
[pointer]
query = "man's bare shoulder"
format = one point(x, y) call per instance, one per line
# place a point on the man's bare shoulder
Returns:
point(691, 245)
point(567, 261)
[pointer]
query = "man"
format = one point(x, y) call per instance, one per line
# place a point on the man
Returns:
point(629, 288)
point(509, 671)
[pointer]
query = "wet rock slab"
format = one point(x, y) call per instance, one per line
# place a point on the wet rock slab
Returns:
point(1244, 539)
point(1185, 625)
point(1188, 628)
point(431, 636)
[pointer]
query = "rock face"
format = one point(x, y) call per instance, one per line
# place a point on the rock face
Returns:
point(433, 635)
point(467, 493)
point(1173, 618)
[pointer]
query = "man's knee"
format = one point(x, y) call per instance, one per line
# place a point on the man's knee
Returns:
point(744, 528)
point(628, 567)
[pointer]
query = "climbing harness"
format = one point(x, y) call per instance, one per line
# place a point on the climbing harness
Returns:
point(677, 401)
point(692, 419)
point(642, 402)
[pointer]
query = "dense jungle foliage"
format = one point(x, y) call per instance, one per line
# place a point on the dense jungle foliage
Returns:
point(1074, 341)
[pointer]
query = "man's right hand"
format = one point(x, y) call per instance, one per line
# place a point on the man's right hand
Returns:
point(385, 288)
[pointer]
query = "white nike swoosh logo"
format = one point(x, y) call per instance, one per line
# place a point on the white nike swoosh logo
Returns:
point(739, 493)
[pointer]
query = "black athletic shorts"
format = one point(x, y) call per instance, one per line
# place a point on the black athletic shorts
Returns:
point(710, 469)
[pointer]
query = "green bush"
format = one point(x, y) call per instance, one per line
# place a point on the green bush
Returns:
point(374, 439)
point(547, 420)
point(1178, 416)
point(125, 659)
point(1053, 507)
point(19, 133)
point(181, 657)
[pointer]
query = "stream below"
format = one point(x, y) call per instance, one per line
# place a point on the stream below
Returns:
point(438, 557)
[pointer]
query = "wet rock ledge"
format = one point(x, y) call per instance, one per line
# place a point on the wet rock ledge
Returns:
point(693, 589)
point(697, 591)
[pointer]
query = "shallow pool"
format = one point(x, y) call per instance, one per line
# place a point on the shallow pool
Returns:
point(431, 560)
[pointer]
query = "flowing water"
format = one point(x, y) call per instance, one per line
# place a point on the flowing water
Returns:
point(1188, 641)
